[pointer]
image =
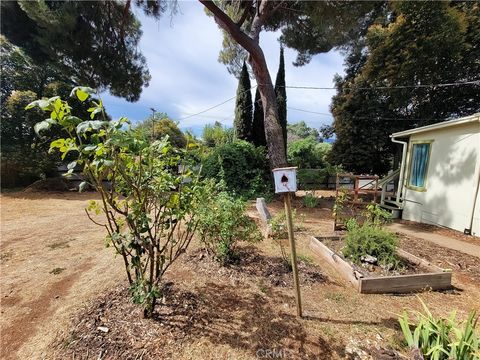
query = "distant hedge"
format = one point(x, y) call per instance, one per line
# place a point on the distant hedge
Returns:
point(242, 166)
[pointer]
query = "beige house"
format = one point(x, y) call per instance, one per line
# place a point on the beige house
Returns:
point(439, 175)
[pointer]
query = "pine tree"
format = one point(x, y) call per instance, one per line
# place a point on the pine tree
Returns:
point(243, 107)
point(281, 93)
point(258, 125)
point(426, 43)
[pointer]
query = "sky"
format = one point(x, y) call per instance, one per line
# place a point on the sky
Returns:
point(187, 78)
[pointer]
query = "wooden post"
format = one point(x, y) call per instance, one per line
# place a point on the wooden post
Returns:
point(288, 213)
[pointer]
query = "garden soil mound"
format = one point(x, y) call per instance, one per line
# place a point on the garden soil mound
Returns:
point(48, 185)
point(271, 269)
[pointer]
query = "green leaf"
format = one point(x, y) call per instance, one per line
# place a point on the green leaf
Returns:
point(71, 120)
point(89, 148)
point(42, 104)
point(81, 95)
point(43, 125)
point(83, 127)
point(82, 92)
point(95, 112)
point(82, 186)
point(72, 165)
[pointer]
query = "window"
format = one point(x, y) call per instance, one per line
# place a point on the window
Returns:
point(419, 165)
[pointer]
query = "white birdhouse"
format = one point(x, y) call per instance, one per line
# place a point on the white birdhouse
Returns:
point(285, 179)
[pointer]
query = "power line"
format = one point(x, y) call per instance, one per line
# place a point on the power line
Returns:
point(215, 106)
point(474, 82)
point(308, 111)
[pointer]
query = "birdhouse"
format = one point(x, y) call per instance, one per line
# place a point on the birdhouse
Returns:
point(285, 179)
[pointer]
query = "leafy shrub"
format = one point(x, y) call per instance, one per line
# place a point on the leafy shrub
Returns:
point(368, 239)
point(25, 157)
point(217, 135)
point(310, 200)
point(160, 126)
point(223, 223)
point(148, 209)
point(376, 215)
point(242, 166)
point(439, 338)
point(308, 153)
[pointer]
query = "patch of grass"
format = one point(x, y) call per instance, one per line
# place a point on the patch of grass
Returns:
point(304, 258)
point(5, 256)
point(327, 330)
point(262, 287)
point(336, 297)
point(59, 245)
point(57, 271)
point(310, 200)
point(70, 340)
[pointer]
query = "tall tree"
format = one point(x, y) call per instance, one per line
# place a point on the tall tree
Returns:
point(90, 42)
point(25, 156)
point(332, 23)
point(243, 107)
point(301, 130)
point(258, 126)
point(159, 125)
point(281, 93)
point(418, 43)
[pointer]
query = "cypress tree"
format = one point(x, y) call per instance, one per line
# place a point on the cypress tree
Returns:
point(281, 93)
point(258, 126)
point(243, 107)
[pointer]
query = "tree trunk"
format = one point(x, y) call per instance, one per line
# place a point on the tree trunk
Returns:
point(273, 129)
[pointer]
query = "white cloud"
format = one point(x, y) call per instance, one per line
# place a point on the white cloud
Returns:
point(182, 57)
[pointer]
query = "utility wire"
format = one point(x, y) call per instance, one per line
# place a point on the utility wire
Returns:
point(215, 106)
point(308, 111)
point(474, 82)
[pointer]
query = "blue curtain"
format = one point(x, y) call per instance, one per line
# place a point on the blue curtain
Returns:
point(419, 164)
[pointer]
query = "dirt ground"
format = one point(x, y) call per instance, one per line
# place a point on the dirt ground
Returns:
point(52, 261)
point(60, 284)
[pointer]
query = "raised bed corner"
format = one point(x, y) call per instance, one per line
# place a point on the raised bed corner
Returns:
point(435, 279)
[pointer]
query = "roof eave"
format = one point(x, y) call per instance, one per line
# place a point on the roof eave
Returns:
point(464, 120)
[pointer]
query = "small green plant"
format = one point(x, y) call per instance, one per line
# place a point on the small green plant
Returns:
point(341, 201)
point(439, 338)
point(57, 271)
point(377, 215)
point(223, 223)
point(369, 239)
point(310, 200)
point(305, 259)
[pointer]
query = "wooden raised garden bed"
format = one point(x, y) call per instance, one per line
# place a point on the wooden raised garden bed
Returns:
point(431, 277)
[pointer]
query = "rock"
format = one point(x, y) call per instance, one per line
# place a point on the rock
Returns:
point(103, 329)
point(416, 354)
point(263, 210)
point(369, 259)
point(354, 352)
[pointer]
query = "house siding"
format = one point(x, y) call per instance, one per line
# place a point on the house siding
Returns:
point(452, 176)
